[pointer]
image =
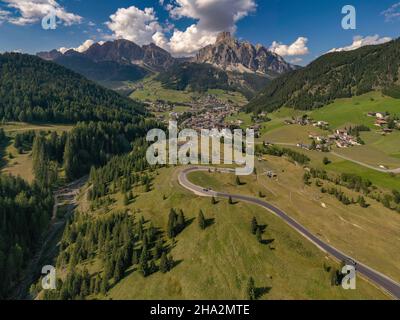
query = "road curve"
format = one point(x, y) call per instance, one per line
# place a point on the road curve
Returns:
point(395, 171)
point(379, 279)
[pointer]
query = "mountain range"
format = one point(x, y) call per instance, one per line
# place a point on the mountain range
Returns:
point(123, 60)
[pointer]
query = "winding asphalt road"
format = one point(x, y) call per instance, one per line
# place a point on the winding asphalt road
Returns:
point(379, 279)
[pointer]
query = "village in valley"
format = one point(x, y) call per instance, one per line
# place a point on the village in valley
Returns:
point(342, 138)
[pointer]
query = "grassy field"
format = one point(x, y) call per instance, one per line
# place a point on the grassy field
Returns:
point(354, 110)
point(216, 263)
point(18, 164)
point(370, 235)
point(152, 91)
point(21, 164)
point(338, 165)
point(378, 149)
point(293, 134)
point(15, 127)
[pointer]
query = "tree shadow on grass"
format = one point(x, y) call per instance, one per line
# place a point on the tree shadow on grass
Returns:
point(259, 292)
point(209, 222)
point(267, 242)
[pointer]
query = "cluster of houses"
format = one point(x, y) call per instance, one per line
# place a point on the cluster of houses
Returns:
point(383, 121)
point(210, 114)
point(340, 138)
point(307, 121)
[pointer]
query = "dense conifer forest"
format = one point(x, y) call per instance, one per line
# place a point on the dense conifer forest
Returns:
point(34, 90)
point(332, 76)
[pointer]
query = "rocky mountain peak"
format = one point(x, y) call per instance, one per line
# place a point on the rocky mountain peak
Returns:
point(225, 37)
point(230, 54)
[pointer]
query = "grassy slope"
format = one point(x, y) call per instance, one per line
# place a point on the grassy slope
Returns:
point(216, 263)
point(370, 235)
point(378, 150)
point(153, 91)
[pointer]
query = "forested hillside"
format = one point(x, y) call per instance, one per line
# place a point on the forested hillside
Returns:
point(32, 89)
point(201, 77)
point(25, 212)
point(332, 76)
point(103, 70)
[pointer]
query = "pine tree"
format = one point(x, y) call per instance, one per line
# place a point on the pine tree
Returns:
point(251, 289)
point(362, 202)
point(181, 221)
point(104, 285)
point(119, 269)
point(201, 220)
point(238, 182)
point(164, 268)
point(159, 249)
point(254, 226)
point(125, 200)
point(135, 257)
point(171, 224)
point(259, 234)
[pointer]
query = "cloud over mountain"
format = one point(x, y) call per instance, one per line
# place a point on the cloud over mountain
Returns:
point(360, 41)
point(211, 16)
point(297, 48)
point(134, 24)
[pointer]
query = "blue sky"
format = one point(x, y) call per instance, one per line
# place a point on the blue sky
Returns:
point(299, 30)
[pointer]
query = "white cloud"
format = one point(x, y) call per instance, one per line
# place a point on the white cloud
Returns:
point(134, 24)
point(297, 48)
point(360, 41)
point(32, 11)
point(4, 15)
point(212, 17)
point(187, 42)
point(392, 13)
point(82, 48)
point(296, 60)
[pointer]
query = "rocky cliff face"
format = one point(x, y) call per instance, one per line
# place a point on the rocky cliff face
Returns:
point(232, 55)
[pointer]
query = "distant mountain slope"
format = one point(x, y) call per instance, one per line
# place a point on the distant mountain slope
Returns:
point(332, 76)
point(228, 64)
point(103, 70)
point(32, 89)
point(123, 52)
point(232, 55)
point(202, 76)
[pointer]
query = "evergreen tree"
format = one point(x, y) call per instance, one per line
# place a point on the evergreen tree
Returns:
point(125, 200)
point(164, 267)
point(259, 235)
point(104, 285)
point(171, 224)
point(251, 289)
point(254, 226)
point(201, 220)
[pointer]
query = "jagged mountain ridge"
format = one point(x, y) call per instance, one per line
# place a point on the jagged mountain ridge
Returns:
point(232, 55)
point(121, 51)
point(227, 54)
point(226, 64)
